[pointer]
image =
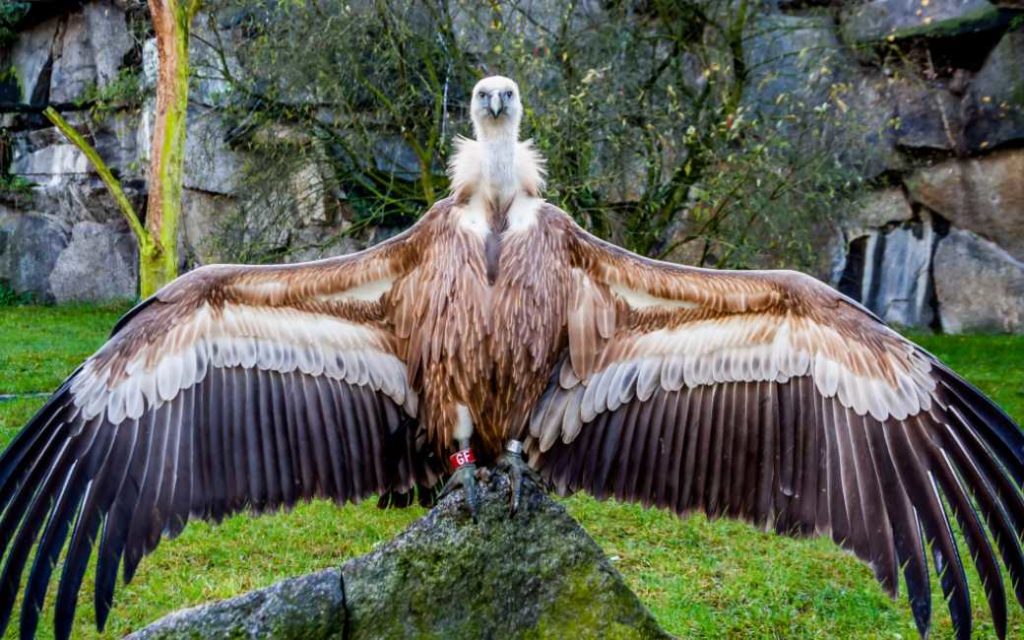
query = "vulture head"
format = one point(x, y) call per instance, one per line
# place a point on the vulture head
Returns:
point(495, 108)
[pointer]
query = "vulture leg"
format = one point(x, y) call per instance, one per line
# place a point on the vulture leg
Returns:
point(464, 477)
point(464, 463)
point(517, 469)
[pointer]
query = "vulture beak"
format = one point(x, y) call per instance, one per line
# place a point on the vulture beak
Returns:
point(497, 105)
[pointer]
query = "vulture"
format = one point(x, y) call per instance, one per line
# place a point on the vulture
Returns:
point(496, 331)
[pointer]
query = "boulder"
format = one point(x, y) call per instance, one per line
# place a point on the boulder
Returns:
point(89, 50)
point(888, 271)
point(876, 208)
point(994, 104)
point(797, 55)
point(979, 286)
point(210, 163)
point(929, 117)
point(30, 58)
point(984, 195)
point(876, 21)
point(99, 264)
point(797, 63)
point(39, 241)
point(536, 574)
point(204, 218)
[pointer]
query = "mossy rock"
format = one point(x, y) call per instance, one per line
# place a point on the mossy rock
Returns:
point(536, 574)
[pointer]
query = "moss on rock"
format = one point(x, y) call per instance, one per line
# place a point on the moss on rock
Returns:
point(536, 574)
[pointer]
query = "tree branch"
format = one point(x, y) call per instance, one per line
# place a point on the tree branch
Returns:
point(112, 183)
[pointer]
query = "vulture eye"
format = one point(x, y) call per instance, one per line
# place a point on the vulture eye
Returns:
point(482, 94)
point(508, 94)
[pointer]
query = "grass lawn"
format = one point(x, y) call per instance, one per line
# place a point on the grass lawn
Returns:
point(701, 579)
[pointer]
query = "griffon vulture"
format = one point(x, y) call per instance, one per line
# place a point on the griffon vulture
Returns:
point(496, 326)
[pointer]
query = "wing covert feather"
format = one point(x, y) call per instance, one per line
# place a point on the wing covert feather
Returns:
point(774, 399)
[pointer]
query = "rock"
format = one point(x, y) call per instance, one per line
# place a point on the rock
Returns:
point(797, 63)
point(984, 195)
point(874, 209)
point(99, 264)
point(210, 164)
point(795, 55)
point(887, 270)
point(204, 217)
point(39, 242)
point(30, 58)
point(864, 139)
point(929, 117)
point(979, 286)
point(393, 156)
point(534, 575)
point(45, 156)
point(994, 104)
point(876, 21)
point(89, 50)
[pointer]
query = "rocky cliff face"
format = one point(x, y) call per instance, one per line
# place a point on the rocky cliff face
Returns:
point(937, 90)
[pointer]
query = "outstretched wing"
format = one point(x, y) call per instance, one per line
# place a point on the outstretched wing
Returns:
point(770, 397)
point(232, 388)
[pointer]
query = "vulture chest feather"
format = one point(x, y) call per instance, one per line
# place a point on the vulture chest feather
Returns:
point(492, 328)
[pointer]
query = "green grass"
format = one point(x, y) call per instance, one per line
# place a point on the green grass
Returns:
point(701, 579)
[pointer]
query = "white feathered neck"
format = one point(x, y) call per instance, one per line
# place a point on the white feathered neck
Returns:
point(497, 168)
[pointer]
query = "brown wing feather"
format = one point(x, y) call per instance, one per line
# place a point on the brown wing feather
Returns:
point(234, 388)
point(767, 396)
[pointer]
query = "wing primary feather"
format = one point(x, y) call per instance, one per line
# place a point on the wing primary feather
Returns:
point(925, 496)
point(115, 528)
point(705, 426)
point(91, 452)
point(672, 420)
point(997, 519)
point(332, 431)
point(180, 503)
point(265, 418)
point(724, 476)
point(906, 528)
point(149, 485)
point(626, 462)
point(695, 457)
point(249, 425)
point(318, 437)
point(652, 453)
point(236, 436)
point(973, 532)
point(611, 445)
point(300, 435)
point(876, 516)
point(219, 477)
point(99, 497)
point(285, 450)
point(850, 481)
point(770, 424)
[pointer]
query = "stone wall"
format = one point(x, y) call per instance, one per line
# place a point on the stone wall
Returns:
point(936, 88)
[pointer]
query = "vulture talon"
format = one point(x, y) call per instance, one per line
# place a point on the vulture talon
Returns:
point(517, 469)
point(465, 478)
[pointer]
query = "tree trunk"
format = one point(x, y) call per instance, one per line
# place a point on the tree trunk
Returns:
point(171, 21)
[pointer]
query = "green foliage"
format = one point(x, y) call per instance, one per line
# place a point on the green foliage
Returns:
point(15, 184)
point(11, 298)
point(123, 92)
point(642, 115)
point(701, 579)
point(11, 14)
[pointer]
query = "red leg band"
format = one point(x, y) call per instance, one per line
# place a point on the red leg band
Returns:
point(461, 458)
